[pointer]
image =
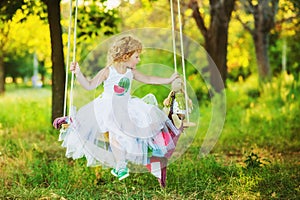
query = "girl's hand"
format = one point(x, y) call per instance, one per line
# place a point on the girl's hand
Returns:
point(74, 67)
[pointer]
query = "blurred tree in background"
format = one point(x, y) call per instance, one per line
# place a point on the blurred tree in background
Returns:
point(284, 39)
point(264, 20)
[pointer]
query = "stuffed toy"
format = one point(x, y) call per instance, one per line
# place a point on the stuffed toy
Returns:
point(174, 104)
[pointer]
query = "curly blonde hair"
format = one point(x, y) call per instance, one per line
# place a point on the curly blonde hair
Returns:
point(122, 49)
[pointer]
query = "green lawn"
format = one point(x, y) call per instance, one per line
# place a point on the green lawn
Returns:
point(256, 156)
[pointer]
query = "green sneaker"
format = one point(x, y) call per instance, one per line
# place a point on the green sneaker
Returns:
point(114, 172)
point(123, 173)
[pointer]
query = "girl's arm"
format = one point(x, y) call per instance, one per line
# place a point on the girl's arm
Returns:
point(153, 79)
point(89, 84)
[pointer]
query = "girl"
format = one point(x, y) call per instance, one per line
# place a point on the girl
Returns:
point(116, 128)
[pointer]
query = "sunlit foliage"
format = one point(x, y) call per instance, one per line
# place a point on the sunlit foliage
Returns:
point(26, 38)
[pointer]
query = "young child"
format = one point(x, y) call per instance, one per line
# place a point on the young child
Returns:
point(133, 126)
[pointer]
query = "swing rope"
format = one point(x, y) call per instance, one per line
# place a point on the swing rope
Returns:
point(173, 35)
point(74, 58)
point(68, 59)
point(182, 52)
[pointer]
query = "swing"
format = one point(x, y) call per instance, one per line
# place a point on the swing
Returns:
point(155, 163)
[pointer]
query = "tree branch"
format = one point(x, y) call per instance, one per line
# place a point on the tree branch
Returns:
point(245, 25)
point(198, 17)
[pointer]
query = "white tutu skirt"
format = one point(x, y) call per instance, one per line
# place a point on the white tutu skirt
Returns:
point(138, 129)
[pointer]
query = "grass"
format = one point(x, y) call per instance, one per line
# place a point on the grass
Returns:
point(256, 157)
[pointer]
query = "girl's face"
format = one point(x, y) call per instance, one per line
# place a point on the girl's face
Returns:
point(133, 60)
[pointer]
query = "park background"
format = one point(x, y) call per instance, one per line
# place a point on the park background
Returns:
point(255, 45)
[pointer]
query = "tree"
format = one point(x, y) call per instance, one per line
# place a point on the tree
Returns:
point(215, 36)
point(264, 13)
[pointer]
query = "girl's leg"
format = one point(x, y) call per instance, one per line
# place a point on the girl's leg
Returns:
point(120, 171)
point(118, 152)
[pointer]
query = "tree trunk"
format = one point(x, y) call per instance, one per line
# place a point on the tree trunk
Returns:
point(216, 47)
point(264, 13)
point(57, 57)
point(216, 38)
point(2, 76)
point(262, 58)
